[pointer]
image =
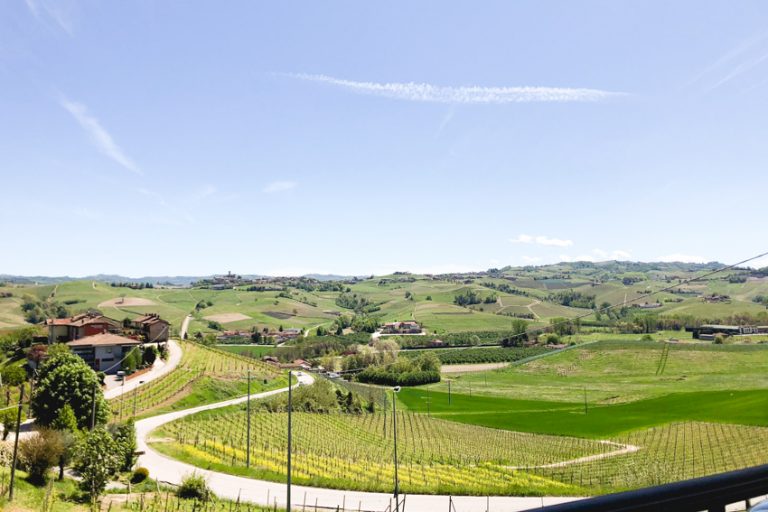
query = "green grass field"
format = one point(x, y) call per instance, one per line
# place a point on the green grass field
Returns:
point(623, 371)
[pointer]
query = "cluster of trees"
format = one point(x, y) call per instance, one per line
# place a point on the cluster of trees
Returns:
point(321, 397)
point(132, 286)
point(36, 310)
point(518, 334)
point(66, 394)
point(139, 358)
point(203, 304)
point(573, 299)
point(356, 303)
point(13, 344)
point(760, 299)
point(505, 288)
point(423, 369)
point(363, 356)
point(467, 298)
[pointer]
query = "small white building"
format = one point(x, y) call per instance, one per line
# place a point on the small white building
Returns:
point(103, 352)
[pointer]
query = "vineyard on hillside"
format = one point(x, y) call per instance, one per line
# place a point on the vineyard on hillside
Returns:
point(480, 355)
point(355, 451)
point(438, 456)
point(199, 364)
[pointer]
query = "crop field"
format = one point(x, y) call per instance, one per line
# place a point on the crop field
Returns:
point(623, 371)
point(204, 374)
point(437, 456)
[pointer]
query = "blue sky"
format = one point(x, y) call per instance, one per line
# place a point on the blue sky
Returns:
point(149, 138)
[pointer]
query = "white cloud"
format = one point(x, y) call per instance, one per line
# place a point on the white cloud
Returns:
point(280, 186)
point(541, 240)
point(412, 91)
point(597, 255)
point(685, 258)
point(531, 259)
point(100, 136)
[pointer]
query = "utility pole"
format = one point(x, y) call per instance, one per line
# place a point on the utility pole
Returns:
point(395, 390)
point(16, 443)
point(135, 393)
point(248, 434)
point(290, 406)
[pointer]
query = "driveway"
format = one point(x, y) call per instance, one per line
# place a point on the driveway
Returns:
point(116, 388)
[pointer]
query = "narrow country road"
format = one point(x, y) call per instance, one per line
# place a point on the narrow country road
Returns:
point(185, 327)
point(159, 369)
point(166, 469)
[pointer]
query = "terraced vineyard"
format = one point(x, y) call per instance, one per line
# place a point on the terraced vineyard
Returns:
point(197, 364)
point(438, 456)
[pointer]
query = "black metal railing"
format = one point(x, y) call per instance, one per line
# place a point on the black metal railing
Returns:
point(710, 493)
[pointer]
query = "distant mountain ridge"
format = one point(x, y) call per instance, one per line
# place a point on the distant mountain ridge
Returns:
point(188, 280)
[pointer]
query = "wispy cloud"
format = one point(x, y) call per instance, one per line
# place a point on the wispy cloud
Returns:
point(685, 258)
point(744, 57)
point(541, 240)
point(280, 186)
point(412, 91)
point(597, 255)
point(99, 135)
point(59, 12)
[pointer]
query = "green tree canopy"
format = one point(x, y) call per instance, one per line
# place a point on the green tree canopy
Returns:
point(66, 380)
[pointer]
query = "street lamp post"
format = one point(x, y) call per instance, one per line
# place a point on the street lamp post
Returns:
point(16, 443)
point(290, 406)
point(395, 390)
point(248, 433)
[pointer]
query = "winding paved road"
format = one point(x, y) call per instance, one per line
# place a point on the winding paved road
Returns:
point(166, 469)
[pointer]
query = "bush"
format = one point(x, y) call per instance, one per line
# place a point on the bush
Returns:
point(149, 355)
point(719, 339)
point(39, 453)
point(194, 487)
point(139, 475)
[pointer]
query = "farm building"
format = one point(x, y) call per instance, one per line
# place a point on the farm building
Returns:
point(710, 331)
point(80, 326)
point(103, 351)
point(409, 327)
point(152, 327)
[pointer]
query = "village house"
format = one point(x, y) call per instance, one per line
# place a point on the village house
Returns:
point(409, 327)
point(298, 364)
point(284, 335)
point(80, 326)
point(103, 352)
point(152, 327)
